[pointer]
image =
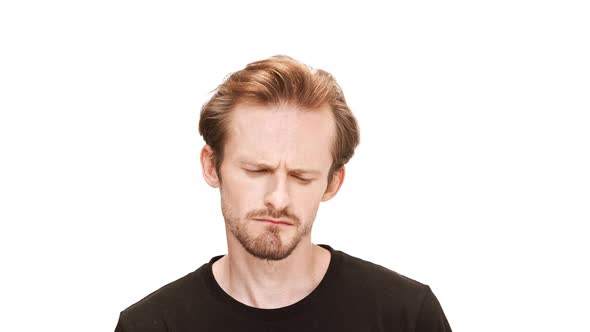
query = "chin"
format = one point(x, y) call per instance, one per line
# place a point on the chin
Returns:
point(270, 246)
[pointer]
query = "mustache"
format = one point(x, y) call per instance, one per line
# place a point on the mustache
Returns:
point(283, 214)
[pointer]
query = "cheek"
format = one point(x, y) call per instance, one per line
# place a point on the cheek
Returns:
point(306, 202)
point(243, 195)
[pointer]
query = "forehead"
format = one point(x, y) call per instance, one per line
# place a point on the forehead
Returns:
point(280, 134)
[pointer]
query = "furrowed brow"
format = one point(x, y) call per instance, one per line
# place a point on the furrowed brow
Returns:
point(266, 166)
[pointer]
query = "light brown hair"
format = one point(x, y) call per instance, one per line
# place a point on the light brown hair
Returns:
point(280, 80)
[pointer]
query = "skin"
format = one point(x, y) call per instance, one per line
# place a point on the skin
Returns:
point(268, 265)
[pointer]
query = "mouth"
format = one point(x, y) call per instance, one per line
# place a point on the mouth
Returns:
point(275, 222)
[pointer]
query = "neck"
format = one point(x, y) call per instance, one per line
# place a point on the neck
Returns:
point(271, 284)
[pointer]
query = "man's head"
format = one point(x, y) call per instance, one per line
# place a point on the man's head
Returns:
point(278, 136)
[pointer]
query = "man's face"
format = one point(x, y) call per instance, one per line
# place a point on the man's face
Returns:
point(275, 166)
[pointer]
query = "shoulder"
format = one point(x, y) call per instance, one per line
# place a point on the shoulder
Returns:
point(356, 267)
point(397, 297)
point(153, 309)
point(381, 281)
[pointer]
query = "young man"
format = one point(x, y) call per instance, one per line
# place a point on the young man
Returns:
point(277, 138)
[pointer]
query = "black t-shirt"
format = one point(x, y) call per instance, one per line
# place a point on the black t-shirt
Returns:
point(354, 295)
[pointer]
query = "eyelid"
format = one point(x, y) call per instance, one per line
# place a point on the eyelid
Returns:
point(264, 170)
point(303, 179)
point(256, 170)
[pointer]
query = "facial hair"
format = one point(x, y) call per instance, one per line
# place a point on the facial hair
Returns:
point(268, 245)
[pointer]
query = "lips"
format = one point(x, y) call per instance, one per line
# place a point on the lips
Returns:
point(274, 221)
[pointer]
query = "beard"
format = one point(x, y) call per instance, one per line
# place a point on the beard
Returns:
point(268, 245)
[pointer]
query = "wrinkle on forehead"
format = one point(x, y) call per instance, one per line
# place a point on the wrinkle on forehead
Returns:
point(277, 133)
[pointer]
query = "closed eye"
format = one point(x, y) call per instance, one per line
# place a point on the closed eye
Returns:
point(306, 181)
point(256, 170)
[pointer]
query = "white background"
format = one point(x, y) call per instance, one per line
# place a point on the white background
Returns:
point(471, 176)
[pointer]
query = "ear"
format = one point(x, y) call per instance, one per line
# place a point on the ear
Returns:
point(335, 184)
point(208, 166)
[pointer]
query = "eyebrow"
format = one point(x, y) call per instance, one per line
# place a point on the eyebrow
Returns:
point(266, 166)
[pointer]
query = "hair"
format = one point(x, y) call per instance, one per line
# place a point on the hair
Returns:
point(280, 80)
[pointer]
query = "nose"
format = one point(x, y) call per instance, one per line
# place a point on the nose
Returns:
point(277, 197)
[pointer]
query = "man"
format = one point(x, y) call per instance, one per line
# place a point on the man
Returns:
point(278, 135)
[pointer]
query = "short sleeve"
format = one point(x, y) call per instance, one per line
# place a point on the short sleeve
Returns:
point(431, 317)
